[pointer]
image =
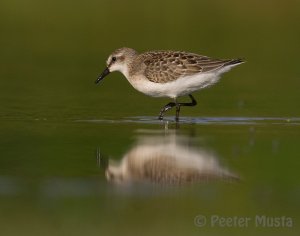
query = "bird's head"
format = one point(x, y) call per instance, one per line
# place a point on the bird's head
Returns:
point(118, 61)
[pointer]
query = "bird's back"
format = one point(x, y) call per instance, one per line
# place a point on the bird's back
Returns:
point(167, 66)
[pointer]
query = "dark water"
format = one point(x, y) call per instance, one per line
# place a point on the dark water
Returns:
point(134, 174)
point(80, 159)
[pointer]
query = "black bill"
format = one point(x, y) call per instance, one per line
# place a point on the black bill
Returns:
point(101, 77)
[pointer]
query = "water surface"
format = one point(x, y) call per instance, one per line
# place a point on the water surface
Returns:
point(80, 159)
point(55, 175)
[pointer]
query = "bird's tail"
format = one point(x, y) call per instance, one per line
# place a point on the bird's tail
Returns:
point(234, 62)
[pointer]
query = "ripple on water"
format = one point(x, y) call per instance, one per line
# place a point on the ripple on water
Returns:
point(203, 120)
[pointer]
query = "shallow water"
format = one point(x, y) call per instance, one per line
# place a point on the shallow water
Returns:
point(203, 120)
point(80, 159)
point(54, 175)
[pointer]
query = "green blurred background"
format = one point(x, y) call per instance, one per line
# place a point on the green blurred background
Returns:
point(51, 52)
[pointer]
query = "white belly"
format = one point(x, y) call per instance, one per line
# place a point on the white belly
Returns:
point(176, 88)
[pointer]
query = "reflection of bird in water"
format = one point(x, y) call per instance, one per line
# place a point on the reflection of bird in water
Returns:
point(166, 161)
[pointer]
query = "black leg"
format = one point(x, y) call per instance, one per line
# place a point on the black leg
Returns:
point(165, 108)
point(193, 103)
point(178, 105)
point(177, 111)
point(190, 104)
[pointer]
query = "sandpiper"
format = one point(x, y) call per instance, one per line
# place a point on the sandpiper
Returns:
point(167, 73)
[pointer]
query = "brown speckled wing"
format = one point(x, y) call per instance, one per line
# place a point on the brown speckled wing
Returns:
point(166, 66)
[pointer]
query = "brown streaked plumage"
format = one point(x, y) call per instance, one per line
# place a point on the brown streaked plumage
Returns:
point(168, 73)
point(166, 66)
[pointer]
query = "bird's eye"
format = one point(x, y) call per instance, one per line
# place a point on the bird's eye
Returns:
point(114, 59)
